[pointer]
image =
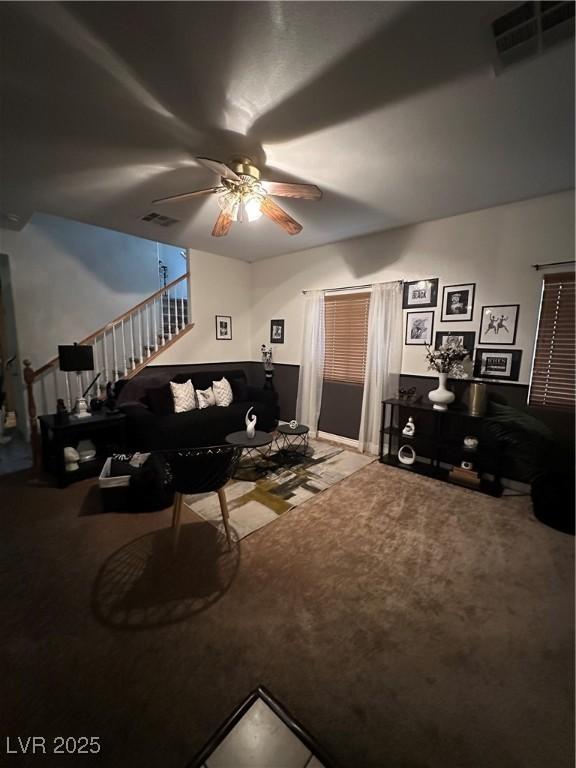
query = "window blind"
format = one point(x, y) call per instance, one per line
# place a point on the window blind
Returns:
point(553, 381)
point(346, 336)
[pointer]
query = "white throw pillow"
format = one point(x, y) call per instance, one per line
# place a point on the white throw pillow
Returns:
point(222, 392)
point(184, 398)
point(205, 397)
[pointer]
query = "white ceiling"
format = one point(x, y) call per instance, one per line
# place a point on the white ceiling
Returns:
point(393, 109)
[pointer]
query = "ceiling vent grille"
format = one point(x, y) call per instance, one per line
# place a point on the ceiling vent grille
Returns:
point(159, 218)
point(530, 29)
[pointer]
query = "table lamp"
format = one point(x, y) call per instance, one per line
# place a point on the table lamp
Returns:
point(77, 357)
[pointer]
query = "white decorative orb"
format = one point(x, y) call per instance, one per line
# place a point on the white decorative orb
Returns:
point(407, 455)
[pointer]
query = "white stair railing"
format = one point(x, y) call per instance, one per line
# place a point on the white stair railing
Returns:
point(121, 349)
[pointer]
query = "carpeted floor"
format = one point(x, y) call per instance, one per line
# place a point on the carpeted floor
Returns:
point(404, 622)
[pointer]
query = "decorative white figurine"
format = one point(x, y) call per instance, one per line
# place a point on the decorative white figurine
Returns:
point(81, 409)
point(470, 443)
point(410, 428)
point(293, 424)
point(250, 423)
point(71, 457)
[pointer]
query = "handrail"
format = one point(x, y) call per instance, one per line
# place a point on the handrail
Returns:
point(117, 320)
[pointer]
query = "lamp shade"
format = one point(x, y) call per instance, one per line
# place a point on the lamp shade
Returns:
point(76, 357)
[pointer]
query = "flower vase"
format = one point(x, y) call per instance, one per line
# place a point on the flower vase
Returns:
point(442, 396)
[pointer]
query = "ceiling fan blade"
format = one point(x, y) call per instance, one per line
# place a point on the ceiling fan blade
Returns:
point(209, 191)
point(303, 191)
point(220, 168)
point(283, 219)
point(222, 226)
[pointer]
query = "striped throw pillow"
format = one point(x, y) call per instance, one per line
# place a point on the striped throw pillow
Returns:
point(222, 392)
point(184, 397)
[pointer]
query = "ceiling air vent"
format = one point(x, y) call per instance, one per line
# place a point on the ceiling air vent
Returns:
point(529, 29)
point(159, 218)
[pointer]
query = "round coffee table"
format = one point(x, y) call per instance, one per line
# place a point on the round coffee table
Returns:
point(292, 443)
point(255, 449)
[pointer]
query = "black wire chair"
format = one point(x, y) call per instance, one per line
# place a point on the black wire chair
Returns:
point(202, 470)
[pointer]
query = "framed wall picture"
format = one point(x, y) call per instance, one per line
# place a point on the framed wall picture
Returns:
point(419, 327)
point(458, 302)
point(448, 338)
point(498, 324)
point(276, 331)
point(223, 327)
point(420, 293)
point(502, 364)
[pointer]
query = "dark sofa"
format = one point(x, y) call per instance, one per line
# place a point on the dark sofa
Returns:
point(152, 426)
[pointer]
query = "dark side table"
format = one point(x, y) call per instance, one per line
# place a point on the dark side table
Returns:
point(292, 442)
point(255, 450)
point(106, 430)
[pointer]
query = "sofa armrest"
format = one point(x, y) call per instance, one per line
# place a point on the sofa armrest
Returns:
point(142, 426)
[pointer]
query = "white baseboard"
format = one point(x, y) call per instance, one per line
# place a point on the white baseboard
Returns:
point(339, 439)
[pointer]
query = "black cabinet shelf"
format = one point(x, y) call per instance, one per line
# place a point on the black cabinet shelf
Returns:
point(418, 468)
point(107, 431)
point(438, 444)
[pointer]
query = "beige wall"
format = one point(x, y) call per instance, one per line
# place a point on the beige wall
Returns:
point(219, 286)
point(493, 248)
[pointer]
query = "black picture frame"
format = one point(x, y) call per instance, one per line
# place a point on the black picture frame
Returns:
point(223, 327)
point(496, 312)
point(468, 339)
point(408, 301)
point(449, 292)
point(409, 339)
point(506, 369)
point(276, 331)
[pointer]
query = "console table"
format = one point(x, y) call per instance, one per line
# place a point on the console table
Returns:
point(106, 430)
point(438, 442)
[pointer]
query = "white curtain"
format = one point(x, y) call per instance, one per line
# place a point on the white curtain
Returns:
point(311, 376)
point(383, 360)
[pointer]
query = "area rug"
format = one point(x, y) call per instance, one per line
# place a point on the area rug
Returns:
point(259, 500)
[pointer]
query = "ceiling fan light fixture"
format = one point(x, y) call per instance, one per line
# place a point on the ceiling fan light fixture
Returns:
point(229, 203)
point(242, 197)
point(241, 205)
point(252, 203)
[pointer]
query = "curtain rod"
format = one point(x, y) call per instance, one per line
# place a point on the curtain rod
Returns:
point(552, 264)
point(350, 287)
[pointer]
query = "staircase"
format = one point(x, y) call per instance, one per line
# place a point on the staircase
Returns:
point(121, 349)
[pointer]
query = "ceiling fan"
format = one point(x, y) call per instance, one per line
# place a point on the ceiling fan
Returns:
point(242, 196)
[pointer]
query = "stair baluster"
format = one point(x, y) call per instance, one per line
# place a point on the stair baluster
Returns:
point(105, 358)
point(124, 358)
point(114, 355)
point(147, 312)
point(155, 323)
point(132, 341)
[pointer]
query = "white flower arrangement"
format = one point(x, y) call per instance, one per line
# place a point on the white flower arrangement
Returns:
point(447, 359)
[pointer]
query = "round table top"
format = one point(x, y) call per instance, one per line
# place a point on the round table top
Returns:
point(242, 439)
point(286, 429)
